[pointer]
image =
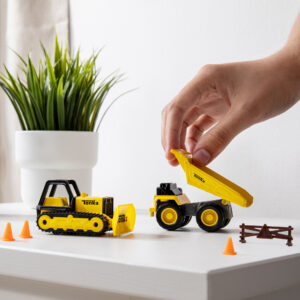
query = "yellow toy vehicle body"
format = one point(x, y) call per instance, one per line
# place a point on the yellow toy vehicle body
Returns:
point(81, 214)
point(173, 209)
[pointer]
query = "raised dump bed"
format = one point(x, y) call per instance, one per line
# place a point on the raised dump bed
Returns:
point(211, 182)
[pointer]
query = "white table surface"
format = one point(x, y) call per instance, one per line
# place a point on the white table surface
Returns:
point(151, 262)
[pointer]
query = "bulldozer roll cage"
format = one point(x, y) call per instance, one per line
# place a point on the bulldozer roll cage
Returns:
point(53, 184)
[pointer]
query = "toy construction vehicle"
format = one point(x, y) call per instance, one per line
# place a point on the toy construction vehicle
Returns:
point(173, 209)
point(81, 214)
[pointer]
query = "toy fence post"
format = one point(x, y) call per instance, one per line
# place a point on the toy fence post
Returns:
point(290, 238)
point(242, 236)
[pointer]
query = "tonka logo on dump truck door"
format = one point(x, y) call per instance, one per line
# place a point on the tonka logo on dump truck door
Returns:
point(90, 202)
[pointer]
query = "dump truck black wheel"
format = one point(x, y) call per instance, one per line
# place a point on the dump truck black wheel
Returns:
point(210, 218)
point(226, 222)
point(169, 216)
point(186, 220)
point(226, 215)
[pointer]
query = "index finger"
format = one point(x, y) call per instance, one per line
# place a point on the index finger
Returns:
point(174, 117)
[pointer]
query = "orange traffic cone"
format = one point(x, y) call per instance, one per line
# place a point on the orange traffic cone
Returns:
point(25, 234)
point(229, 250)
point(8, 236)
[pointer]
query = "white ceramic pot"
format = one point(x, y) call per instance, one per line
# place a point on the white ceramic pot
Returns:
point(45, 155)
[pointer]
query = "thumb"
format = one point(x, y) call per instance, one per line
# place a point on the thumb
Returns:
point(214, 141)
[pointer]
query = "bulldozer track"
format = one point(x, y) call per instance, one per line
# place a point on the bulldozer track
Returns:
point(71, 231)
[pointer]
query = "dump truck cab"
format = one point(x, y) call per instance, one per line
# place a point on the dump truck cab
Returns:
point(168, 192)
point(173, 209)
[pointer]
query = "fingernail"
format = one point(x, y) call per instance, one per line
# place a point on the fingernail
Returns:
point(202, 156)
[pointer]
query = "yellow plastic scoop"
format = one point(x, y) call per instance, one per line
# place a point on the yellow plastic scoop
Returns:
point(210, 181)
point(124, 219)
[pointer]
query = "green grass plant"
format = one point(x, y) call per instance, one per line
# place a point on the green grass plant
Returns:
point(65, 94)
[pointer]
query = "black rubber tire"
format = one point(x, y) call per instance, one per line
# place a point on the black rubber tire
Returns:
point(179, 220)
point(215, 227)
point(186, 220)
point(226, 222)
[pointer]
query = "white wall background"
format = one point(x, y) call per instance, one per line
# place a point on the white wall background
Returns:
point(161, 44)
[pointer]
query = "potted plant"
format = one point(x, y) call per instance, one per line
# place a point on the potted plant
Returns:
point(58, 106)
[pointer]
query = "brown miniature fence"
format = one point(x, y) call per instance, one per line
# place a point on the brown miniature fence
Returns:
point(266, 232)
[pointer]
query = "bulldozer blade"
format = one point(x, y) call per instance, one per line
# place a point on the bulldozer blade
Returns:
point(124, 219)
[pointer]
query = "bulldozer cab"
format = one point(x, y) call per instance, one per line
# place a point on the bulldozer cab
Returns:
point(49, 202)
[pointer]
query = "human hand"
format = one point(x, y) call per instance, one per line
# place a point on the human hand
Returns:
point(223, 100)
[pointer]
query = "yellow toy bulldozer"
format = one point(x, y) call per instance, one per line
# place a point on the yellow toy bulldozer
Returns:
point(81, 214)
point(173, 209)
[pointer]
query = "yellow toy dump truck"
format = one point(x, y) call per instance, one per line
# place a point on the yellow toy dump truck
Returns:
point(81, 214)
point(173, 209)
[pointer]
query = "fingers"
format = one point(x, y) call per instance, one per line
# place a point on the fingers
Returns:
point(177, 116)
point(214, 141)
point(172, 130)
point(186, 108)
point(189, 118)
point(196, 130)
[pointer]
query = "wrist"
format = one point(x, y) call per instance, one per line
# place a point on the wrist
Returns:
point(290, 59)
point(286, 66)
